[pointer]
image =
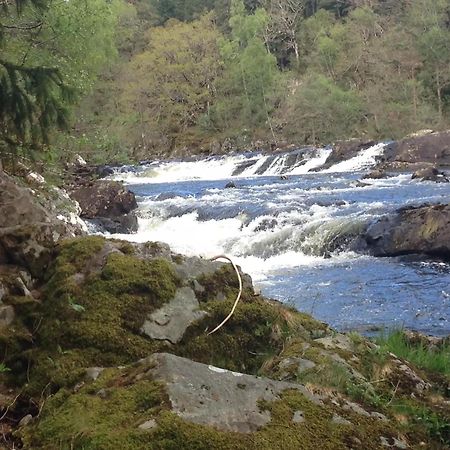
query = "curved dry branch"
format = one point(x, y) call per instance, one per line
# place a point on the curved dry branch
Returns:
point(238, 296)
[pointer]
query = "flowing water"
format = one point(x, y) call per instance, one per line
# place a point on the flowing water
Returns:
point(292, 235)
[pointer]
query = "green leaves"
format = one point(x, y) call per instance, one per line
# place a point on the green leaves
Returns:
point(51, 54)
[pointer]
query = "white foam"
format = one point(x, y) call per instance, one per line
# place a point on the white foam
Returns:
point(315, 162)
point(363, 160)
point(222, 168)
point(258, 250)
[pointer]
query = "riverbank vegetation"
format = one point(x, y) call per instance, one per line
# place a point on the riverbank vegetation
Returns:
point(137, 79)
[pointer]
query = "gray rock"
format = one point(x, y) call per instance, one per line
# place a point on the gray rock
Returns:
point(375, 175)
point(421, 149)
point(92, 373)
point(216, 397)
point(396, 443)
point(22, 289)
point(171, 321)
point(149, 425)
point(379, 416)
point(298, 417)
point(30, 246)
point(338, 420)
point(430, 174)
point(102, 393)
point(191, 268)
point(25, 420)
point(3, 291)
point(21, 206)
point(124, 224)
point(358, 409)
point(6, 316)
point(301, 364)
point(340, 341)
point(198, 288)
point(104, 198)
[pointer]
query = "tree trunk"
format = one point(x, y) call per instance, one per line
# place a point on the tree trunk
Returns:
point(439, 94)
point(414, 94)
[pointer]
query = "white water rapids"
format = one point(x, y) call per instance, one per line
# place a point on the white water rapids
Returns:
point(290, 225)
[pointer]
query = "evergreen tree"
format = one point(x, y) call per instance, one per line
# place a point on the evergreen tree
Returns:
point(32, 98)
point(51, 53)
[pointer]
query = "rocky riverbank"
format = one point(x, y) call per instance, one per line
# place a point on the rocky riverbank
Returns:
point(105, 345)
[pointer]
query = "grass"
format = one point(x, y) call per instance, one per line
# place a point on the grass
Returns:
point(434, 359)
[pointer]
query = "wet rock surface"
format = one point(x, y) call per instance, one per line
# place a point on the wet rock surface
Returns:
point(109, 203)
point(420, 151)
point(430, 174)
point(411, 230)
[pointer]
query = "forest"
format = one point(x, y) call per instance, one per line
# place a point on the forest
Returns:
point(121, 81)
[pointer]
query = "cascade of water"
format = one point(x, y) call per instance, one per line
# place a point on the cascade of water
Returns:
point(363, 160)
point(296, 162)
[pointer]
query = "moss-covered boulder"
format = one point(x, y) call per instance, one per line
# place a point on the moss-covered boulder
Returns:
point(167, 402)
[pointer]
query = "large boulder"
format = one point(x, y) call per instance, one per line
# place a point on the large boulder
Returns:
point(209, 395)
point(168, 402)
point(429, 149)
point(32, 220)
point(31, 246)
point(109, 203)
point(423, 229)
point(18, 205)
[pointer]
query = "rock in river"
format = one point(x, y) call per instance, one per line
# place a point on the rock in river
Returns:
point(412, 230)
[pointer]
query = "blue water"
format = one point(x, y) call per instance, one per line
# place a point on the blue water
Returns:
point(280, 232)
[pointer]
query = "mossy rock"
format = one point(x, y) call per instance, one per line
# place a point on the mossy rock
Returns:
point(93, 317)
point(107, 414)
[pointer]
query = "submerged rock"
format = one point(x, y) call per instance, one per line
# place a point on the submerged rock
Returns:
point(430, 174)
point(375, 175)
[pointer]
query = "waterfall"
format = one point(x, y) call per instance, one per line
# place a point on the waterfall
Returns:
point(296, 162)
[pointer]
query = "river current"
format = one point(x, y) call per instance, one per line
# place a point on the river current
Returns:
point(284, 223)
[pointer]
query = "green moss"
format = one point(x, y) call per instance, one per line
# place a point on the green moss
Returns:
point(87, 420)
point(425, 422)
point(93, 315)
point(78, 252)
point(106, 414)
point(222, 283)
point(243, 344)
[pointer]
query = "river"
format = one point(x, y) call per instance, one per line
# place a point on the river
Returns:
point(291, 234)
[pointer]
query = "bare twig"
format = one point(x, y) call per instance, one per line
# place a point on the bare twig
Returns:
point(42, 399)
point(238, 296)
point(10, 406)
point(393, 394)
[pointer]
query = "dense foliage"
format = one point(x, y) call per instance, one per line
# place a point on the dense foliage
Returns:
point(192, 74)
